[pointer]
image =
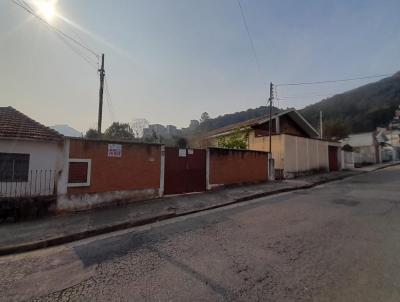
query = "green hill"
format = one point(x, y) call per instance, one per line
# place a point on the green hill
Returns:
point(232, 118)
point(358, 110)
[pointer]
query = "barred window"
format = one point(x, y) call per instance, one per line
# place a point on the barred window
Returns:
point(14, 167)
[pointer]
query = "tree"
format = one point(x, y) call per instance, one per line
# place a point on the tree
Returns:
point(119, 131)
point(92, 133)
point(336, 129)
point(204, 117)
point(235, 141)
point(181, 142)
point(138, 125)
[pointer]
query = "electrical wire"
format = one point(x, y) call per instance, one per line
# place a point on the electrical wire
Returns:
point(334, 81)
point(253, 48)
point(108, 100)
point(77, 51)
point(29, 9)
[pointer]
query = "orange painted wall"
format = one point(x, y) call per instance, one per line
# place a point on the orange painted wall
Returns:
point(138, 168)
point(229, 166)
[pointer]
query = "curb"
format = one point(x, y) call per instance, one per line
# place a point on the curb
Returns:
point(31, 246)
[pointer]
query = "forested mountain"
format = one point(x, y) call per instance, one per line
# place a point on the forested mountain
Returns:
point(232, 118)
point(358, 110)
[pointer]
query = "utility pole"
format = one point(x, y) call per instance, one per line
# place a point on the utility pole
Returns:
point(102, 74)
point(321, 133)
point(271, 96)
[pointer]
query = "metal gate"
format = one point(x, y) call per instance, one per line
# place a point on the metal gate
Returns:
point(185, 170)
point(333, 158)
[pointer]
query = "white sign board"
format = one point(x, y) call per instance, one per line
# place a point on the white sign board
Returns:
point(190, 151)
point(182, 152)
point(114, 150)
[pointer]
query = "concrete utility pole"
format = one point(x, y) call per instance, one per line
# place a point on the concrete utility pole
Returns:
point(102, 74)
point(321, 133)
point(271, 96)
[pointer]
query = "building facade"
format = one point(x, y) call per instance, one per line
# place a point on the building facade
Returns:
point(295, 145)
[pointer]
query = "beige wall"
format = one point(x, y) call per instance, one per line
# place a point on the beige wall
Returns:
point(262, 144)
point(294, 154)
point(304, 154)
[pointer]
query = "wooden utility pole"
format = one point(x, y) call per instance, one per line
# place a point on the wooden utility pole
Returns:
point(102, 74)
point(271, 96)
point(321, 133)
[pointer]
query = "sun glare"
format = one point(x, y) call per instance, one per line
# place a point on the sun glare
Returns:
point(46, 9)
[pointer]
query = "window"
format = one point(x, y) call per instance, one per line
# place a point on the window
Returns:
point(14, 167)
point(79, 172)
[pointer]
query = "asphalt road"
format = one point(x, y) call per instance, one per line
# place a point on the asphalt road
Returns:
point(337, 242)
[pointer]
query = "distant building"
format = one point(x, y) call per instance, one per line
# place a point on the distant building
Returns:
point(172, 130)
point(160, 131)
point(155, 129)
point(395, 123)
point(370, 147)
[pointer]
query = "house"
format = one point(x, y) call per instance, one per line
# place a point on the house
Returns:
point(31, 156)
point(367, 146)
point(295, 145)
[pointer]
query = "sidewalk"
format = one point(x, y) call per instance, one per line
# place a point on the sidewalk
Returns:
point(31, 235)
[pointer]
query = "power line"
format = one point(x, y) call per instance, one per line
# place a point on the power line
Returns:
point(29, 9)
point(306, 96)
point(253, 48)
point(108, 99)
point(77, 51)
point(334, 81)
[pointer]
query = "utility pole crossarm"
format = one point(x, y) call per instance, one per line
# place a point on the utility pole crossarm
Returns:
point(102, 74)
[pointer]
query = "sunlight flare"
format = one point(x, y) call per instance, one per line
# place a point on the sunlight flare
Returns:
point(46, 9)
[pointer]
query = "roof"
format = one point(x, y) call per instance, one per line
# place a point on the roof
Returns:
point(292, 113)
point(14, 124)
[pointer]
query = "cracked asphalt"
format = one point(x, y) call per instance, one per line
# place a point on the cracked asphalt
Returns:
point(336, 242)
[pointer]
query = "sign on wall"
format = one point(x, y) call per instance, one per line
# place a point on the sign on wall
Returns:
point(182, 153)
point(114, 150)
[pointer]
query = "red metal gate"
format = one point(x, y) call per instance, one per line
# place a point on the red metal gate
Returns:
point(185, 170)
point(333, 158)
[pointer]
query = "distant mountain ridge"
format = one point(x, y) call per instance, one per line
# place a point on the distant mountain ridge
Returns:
point(66, 130)
point(358, 110)
point(361, 109)
point(233, 118)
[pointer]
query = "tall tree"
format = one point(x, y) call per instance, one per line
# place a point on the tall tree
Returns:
point(204, 117)
point(138, 125)
point(336, 129)
point(119, 131)
point(92, 133)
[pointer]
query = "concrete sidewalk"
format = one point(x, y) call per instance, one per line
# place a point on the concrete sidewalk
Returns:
point(31, 235)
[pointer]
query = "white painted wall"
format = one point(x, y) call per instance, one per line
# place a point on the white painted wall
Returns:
point(43, 156)
point(365, 155)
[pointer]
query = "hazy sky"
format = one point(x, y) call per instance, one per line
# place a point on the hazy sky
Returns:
point(170, 60)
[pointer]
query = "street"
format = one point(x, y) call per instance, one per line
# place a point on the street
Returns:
point(335, 242)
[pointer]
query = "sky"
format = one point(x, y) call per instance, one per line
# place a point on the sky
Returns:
point(170, 60)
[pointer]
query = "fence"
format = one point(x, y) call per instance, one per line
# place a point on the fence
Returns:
point(34, 183)
point(230, 166)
